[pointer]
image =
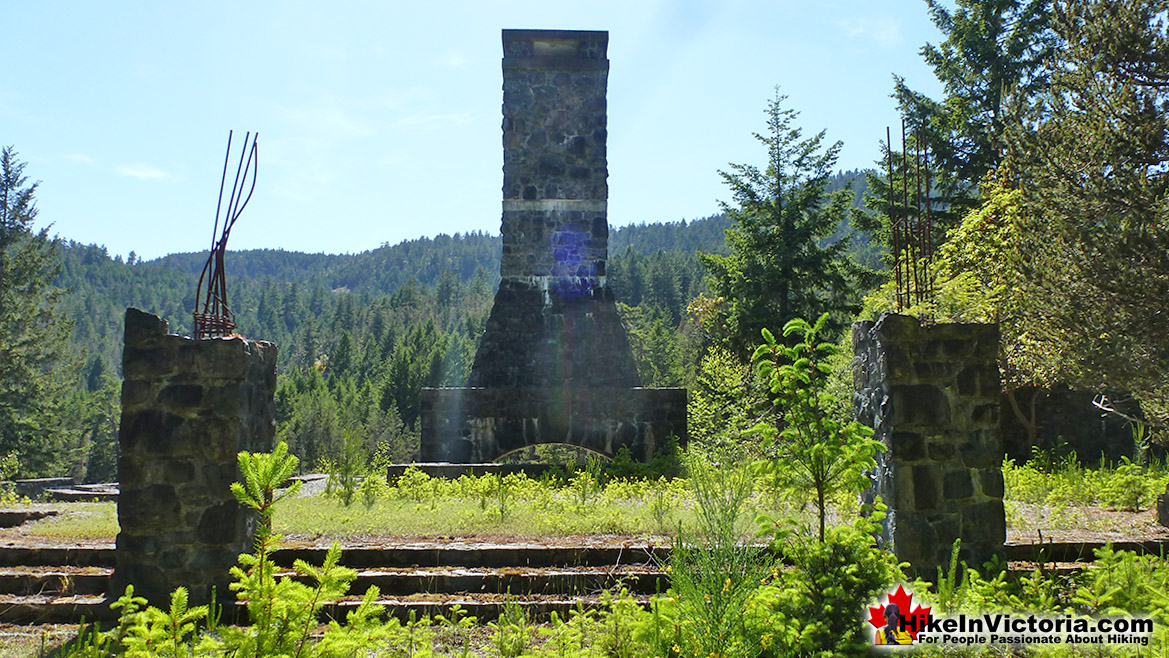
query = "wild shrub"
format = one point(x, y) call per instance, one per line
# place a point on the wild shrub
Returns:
point(415, 485)
point(1118, 583)
point(512, 631)
point(814, 450)
point(348, 470)
point(715, 567)
point(813, 608)
point(9, 467)
point(1065, 483)
point(1127, 489)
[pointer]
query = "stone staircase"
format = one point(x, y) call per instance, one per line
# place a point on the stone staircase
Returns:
point(66, 584)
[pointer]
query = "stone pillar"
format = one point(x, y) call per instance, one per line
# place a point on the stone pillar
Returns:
point(554, 364)
point(932, 393)
point(554, 321)
point(188, 407)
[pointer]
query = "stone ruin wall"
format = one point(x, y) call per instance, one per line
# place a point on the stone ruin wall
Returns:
point(188, 407)
point(506, 420)
point(932, 395)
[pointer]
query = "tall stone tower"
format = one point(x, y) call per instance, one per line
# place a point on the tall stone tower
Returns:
point(554, 364)
point(554, 321)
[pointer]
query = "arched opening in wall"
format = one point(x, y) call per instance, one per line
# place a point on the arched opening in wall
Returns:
point(552, 453)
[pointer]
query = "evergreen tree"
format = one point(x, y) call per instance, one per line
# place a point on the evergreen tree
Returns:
point(992, 48)
point(1091, 158)
point(36, 367)
point(778, 268)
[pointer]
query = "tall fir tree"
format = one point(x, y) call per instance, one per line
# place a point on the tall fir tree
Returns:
point(778, 267)
point(992, 49)
point(36, 368)
point(1091, 158)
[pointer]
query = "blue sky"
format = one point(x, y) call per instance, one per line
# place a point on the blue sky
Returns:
point(379, 121)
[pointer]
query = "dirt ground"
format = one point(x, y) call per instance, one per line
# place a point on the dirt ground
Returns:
point(1027, 523)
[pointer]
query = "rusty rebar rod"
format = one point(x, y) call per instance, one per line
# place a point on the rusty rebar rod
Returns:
point(213, 316)
point(910, 224)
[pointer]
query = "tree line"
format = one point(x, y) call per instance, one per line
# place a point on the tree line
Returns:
point(1048, 192)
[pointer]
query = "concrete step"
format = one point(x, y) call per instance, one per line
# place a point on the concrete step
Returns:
point(480, 555)
point(50, 609)
point(517, 581)
point(42, 555)
point(514, 554)
point(79, 495)
point(42, 609)
point(55, 581)
point(1078, 551)
point(10, 518)
point(470, 554)
point(64, 581)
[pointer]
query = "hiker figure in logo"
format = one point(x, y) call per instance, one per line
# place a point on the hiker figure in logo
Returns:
point(890, 633)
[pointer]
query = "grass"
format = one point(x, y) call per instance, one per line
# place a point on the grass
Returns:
point(34, 641)
point(405, 518)
point(1041, 495)
point(76, 522)
point(514, 506)
point(1047, 494)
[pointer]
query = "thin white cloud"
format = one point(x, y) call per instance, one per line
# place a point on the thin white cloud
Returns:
point(883, 32)
point(81, 158)
point(327, 120)
point(141, 172)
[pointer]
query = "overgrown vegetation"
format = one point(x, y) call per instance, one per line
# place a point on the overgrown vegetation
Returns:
point(1050, 165)
point(782, 590)
point(813, 449)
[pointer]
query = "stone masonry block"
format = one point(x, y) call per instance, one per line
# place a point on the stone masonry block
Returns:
point(903, 489)
point(907, 446)
point(184, 398)
point(956, 485)
point(927, 486)
point(1163, 509)
point(982, 449)
point(188, 407)
point(986, 415)
point(920, 406)
point(991, 482)
point(482, 424)
point(985, 523)
point(939, 383)
point(941, 448)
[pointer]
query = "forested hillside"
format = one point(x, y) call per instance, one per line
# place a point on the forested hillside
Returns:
point(279, 295)
point(360, 334)
point(1043, 169)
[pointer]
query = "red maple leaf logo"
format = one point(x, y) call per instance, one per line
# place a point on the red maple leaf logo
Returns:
point(911, 622)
